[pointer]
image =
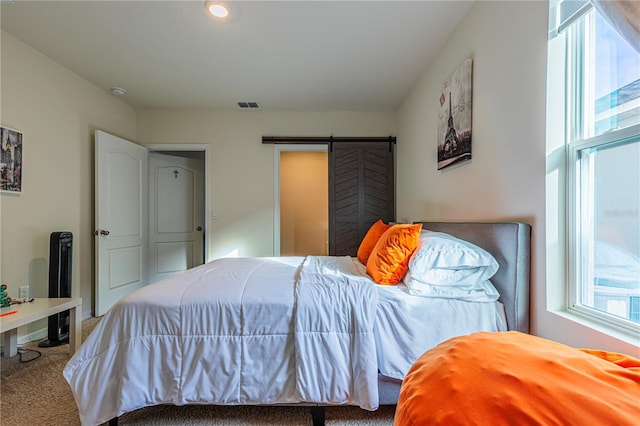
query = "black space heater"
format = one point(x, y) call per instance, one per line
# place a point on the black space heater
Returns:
point(60, 254)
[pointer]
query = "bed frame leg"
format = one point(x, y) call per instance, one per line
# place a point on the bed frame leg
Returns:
point(113, 422)
point(317, 415)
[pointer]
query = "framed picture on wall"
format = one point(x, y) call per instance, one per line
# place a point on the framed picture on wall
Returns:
point(454, 117)
point(10, 160)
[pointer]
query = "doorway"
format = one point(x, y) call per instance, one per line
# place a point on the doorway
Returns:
point(361, 186)
point(176, 212)
point(122, 241)
point(301, 221)
point(189, 153)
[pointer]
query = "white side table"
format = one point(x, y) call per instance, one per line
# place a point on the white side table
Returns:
point(29, 312)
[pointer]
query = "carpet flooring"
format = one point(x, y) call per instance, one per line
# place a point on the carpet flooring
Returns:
point(34, 393)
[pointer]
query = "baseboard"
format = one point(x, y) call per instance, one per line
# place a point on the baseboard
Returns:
point(33, 336)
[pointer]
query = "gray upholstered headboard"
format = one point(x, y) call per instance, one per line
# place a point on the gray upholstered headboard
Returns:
point(510, 244)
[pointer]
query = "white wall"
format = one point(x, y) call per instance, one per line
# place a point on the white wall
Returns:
point(242, 168)
point(57, 111)
point(505, 179)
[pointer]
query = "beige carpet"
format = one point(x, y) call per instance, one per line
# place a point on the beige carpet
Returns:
point(35, 393)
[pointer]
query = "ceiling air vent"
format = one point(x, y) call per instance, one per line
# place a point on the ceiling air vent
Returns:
point(248, 105)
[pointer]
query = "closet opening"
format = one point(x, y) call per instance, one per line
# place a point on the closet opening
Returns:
point(301, 213)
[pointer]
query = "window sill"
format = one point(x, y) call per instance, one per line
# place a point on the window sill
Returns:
point(623, 335)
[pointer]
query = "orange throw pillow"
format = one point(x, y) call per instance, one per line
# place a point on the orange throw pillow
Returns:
point(389, 259)
point(370, 239)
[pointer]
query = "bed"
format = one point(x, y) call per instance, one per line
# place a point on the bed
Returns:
point(254, 331)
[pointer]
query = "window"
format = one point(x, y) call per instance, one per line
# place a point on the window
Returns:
point(601, 73)
point(606, 232)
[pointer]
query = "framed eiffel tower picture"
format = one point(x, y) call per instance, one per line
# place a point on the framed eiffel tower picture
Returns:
point(10, 160)
point(454, 117)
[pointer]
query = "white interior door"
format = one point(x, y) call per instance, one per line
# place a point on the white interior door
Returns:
point(121, 197)
point(176, 214)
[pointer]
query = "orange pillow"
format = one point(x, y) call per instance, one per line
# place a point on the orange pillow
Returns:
point(389, 258)
point(370, 239)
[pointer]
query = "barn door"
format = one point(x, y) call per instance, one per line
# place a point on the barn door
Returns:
point(361, 191)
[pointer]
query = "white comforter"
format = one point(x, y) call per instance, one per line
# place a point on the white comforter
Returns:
point(279, 330)
point(232, 332)
point(334, 342)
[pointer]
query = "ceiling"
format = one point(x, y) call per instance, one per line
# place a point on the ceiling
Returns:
point(284, 55)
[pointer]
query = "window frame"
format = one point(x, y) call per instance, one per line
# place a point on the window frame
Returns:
point(578, 138)
point(574, 249)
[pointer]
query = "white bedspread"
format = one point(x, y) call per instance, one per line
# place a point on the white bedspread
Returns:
point(408, 325)
point(335, 344)
point(279, 330)
point(223, 333)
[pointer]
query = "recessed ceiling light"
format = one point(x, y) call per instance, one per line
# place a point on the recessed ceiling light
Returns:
point(217, 8)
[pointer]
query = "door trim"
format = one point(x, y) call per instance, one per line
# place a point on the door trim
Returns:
point(278, 148)
point(207, 175)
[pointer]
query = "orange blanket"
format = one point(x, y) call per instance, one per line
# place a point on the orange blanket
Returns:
point(513, 378)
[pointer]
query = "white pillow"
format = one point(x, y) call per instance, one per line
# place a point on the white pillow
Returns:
point(445, 266)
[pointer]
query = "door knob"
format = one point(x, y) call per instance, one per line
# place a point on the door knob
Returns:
point(104, 232)
point(199, 228)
